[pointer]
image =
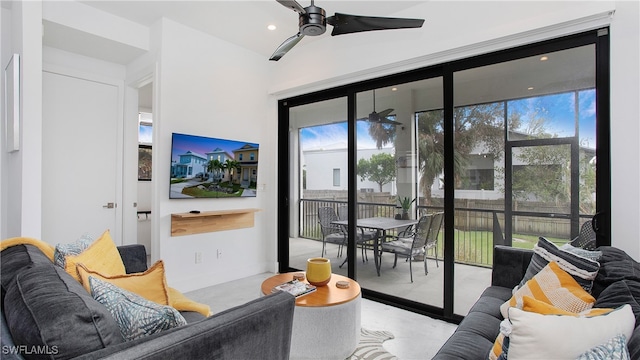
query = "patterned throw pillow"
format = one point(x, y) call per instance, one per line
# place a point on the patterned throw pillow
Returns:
point(63, 250)
point(553, 286)
point(136, 316)
point(615, 348)
point(582, 269)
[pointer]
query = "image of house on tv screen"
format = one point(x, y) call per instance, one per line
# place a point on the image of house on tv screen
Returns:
point(204, 167)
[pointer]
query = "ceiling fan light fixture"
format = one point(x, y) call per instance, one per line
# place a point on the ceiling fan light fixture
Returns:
point(312, 21)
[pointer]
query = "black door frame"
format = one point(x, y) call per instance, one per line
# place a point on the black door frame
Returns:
point(599, 37)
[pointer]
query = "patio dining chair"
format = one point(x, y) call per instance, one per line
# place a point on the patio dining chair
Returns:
point(331, 233)
point(432, 236)
point(409, 247)
point(364, 237)
point(586, 239)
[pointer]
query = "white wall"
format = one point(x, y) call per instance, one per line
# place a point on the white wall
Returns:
point(212, 88)
point(21, 173)
point(460, 29)
point(625, 128)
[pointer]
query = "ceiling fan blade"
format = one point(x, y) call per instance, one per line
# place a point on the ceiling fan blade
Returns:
point(389, 121)
point(381, 118)
point(347, 24)
point(385, 113)
point(286, 46)
point(293, 5)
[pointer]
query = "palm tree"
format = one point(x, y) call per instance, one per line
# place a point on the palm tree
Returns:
point(231, 166)
point(473, 125)
point(215, 166)
point(382, 133)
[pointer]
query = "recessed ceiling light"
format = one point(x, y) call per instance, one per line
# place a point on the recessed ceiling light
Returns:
point(544, 58)
point(271, 27)
point(530, 88)
point(394, 89)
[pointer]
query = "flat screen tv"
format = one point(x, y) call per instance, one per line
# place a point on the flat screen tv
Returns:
point(205, 167)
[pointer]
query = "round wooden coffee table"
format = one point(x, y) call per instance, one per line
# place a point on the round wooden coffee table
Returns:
point(326, 322)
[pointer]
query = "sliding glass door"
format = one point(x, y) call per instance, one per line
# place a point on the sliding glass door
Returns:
point(503, 146)
point(525, 136)
point(400, 160)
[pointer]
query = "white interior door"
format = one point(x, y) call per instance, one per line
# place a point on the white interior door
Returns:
point(80, 158)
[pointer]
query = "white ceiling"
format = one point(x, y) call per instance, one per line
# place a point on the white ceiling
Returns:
point(240, 22)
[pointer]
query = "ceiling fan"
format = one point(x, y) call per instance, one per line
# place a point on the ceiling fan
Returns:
point(312, 21)
point(380, 117)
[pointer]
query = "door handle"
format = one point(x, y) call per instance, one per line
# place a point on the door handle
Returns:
point(109, 205)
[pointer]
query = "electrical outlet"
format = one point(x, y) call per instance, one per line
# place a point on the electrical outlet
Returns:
point(219, 253)
point(198, 257)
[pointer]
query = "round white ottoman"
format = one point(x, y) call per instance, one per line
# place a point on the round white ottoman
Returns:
point(326, 322)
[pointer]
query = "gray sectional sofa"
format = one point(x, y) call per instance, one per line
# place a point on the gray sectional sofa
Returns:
point(46, 314)
point(617, 283)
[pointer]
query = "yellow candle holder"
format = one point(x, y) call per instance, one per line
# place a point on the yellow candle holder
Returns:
point(318, 271)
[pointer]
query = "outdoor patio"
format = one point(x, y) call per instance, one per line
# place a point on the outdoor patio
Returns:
point(470, 280)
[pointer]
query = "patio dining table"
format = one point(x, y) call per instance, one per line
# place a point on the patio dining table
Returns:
point(381, 225)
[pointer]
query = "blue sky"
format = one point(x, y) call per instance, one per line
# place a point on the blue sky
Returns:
point(559, 109)
point(334, 136)
point(202, 145)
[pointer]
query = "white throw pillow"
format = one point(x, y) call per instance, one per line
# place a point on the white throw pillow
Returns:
point(535, 336)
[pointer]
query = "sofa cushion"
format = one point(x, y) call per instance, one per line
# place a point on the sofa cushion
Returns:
point(536, 336)
point(6, 342)
point(615, 265)
point(101, 256)
point(633, 343)
point(582, 269)
point(150, 284)
point(490, 301)
point(45, 307)
point(15, 258)
point(620, 293)
point(464, 345)
point(136, 316)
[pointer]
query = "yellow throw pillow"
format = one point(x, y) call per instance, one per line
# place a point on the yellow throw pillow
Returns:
point(496, 350)
point(540, 307)
point(553, 286)
point(102, 257)
point(151, 284)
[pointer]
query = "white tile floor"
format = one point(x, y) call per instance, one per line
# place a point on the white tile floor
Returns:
point(416, 336)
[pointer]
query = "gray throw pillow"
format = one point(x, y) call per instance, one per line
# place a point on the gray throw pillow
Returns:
point(46, 309)
point(582, 269)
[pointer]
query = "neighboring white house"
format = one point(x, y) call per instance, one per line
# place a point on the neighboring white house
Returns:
point(327, 169)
